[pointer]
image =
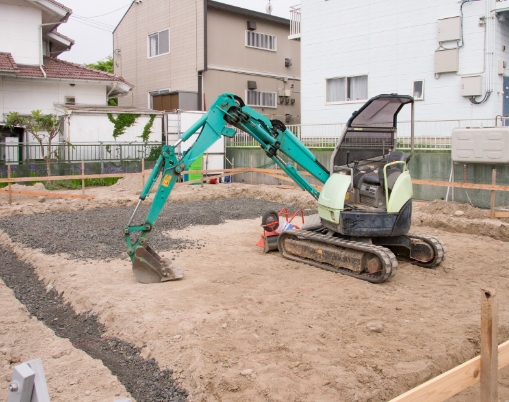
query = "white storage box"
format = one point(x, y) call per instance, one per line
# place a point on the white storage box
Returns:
point(481, 145)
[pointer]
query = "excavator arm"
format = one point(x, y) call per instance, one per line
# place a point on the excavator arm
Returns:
point(273, 137)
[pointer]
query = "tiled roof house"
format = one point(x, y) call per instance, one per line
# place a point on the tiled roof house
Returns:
point(33, 78)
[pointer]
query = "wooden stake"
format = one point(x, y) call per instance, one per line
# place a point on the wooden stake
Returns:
point(82, 179)
point(452, 382)
point(489, 345)
point(493, 193)
point(251, 164)
point(9, 185)
point(142, 173)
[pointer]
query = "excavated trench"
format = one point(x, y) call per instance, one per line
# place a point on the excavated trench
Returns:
point(142, 378)
point(97, 234)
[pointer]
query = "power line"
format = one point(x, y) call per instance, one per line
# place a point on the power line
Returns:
point(93, 26)
point(100, 24)
point(111, 12)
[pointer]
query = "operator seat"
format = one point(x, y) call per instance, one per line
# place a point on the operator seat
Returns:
point(393, 171)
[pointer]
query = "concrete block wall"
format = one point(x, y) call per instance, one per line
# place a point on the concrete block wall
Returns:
point(425, 166)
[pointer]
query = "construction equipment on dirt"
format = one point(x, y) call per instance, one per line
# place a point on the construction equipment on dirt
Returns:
point(364, 208)
point(270, 225)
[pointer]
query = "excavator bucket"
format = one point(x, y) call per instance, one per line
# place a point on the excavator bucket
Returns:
point(149, 267)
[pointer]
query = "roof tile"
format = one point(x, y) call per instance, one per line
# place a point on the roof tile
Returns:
point(63, 36)
point(7, 63)
point(56, 68)
point(56, 3)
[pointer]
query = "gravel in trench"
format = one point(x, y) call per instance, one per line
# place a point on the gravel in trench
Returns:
point(99, 233)
point(142, 378)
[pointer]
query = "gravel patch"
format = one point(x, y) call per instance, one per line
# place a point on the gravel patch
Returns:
point(142, 378)
point(98, 234)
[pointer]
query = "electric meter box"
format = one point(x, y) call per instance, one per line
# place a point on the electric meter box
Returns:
point(471, 86)
point(481, 145)
point(447, 61)
point(449, 29)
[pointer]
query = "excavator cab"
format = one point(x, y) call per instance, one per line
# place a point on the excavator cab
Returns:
point(373, 176)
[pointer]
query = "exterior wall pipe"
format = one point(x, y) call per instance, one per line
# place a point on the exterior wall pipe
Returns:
point(41, 50)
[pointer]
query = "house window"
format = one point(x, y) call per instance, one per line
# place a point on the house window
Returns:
point(263, 99)
point(159, 43)
point(418, 91)
point(261, 41)
point(347, 89)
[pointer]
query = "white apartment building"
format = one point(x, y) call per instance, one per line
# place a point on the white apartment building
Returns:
point(451, 55)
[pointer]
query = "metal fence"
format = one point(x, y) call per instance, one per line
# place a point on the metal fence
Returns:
point(428, 135)
point(88, 152)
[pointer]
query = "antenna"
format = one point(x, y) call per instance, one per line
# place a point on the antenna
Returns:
point(268, 8)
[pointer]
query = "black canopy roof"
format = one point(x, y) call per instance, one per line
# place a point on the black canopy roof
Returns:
point(379, 111)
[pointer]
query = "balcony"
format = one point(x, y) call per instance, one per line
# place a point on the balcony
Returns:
point(294, 23)
point(502, 6)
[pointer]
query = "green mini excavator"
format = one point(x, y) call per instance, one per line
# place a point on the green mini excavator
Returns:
point(364, 207)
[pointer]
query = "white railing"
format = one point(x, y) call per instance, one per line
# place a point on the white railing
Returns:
point(427, 134)
point(295, 22)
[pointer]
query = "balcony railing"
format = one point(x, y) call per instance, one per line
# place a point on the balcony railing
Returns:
point(294, 22)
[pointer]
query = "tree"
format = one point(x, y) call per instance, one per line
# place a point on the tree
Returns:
point(43, 127)
point(105, 65)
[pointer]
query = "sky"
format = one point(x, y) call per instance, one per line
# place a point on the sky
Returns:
point(92, 23)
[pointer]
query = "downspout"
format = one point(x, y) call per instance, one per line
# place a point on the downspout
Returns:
point(41, 50)
point(201, 74)
point(205, 56)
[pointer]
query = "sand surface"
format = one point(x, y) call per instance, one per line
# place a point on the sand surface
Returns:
point(248, 326)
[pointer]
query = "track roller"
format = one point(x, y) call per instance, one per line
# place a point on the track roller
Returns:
point(364, 261)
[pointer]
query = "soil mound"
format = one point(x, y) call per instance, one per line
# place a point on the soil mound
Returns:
point(451, 208)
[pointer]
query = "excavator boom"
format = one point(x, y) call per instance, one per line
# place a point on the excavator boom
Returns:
point(228, 109)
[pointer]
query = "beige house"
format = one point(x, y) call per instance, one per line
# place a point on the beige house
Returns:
point(182, 55)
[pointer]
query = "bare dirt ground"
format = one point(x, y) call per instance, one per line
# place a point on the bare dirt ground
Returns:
point(248, 326)
point(70, 373)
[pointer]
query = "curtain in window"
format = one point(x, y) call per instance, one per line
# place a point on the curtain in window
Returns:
point(164, 41)
point(253, 98)
point(264, 99)
point(153, 45)
point(336, 90)
point(358, 88)
point(268, 99)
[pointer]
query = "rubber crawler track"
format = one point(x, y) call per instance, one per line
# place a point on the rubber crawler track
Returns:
point(438, 248)
point(386, 256)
